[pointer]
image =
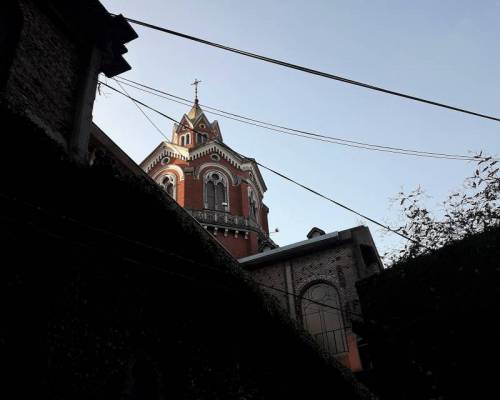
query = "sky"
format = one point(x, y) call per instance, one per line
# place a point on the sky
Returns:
point(446, 51)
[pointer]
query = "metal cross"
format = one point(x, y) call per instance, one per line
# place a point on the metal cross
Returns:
point(195, 84)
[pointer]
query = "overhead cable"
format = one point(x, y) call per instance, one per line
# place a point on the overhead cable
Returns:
point(310, 70)
point(293, 131)
point(71, 220)
point(282, 175)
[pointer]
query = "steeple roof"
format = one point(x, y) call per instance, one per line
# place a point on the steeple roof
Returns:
point(196, 121)
point(195, 111)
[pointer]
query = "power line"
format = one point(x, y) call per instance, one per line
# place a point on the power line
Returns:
point(310, 70)
point(129, 240)
point(145, 115)
point(284, 176)
point(142, 111)
point(297, 132)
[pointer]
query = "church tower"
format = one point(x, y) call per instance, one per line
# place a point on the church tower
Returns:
point(220, 188)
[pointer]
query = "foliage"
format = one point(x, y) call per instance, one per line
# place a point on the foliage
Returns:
point(474, 209)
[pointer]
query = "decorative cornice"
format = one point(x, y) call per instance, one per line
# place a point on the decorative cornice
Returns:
point(199, 170)
point(166, 149)
point(243, 164)
point(168, 168)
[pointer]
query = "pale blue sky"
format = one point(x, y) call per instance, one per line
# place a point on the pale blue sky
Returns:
point(447, 51)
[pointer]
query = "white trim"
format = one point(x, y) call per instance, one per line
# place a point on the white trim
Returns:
point(164, 149)
point(184, 153)
point(173, 179)
point(224, 180)
point(168, 168)
point(235, 161)
point(199, 170)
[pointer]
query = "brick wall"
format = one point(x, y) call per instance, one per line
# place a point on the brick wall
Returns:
point(129, 309)
point(10, 28)
point(274, 276)
point(238, 246)
point(340, 265)
point(45, 72)
point(190, 194)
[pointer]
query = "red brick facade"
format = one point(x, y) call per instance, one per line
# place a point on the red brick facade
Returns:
point(220, 188)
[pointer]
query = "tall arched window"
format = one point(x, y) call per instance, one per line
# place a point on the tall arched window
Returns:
point(322, 317)
point(216, 191)
point(168, 183)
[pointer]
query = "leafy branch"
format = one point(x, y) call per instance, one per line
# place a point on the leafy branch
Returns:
point(474, 209)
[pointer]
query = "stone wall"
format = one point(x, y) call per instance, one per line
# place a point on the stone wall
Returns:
point(131, 298)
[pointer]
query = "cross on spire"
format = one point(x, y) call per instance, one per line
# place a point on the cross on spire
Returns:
point(195, 84)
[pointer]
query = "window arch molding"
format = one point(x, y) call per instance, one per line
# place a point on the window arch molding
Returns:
point(184, 138)
point(216, 190)
point(258, 182)
point(171, 168)
point(169, 182)
point(201, 137)
point(326, 322)
point(215, 166)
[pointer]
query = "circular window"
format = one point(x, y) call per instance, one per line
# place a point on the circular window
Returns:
point(215, 176)
point(165, 160)
point(215, 157)
point(202, 126)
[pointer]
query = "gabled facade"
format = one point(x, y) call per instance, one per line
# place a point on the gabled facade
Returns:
point(314, 283)
point(221, 188)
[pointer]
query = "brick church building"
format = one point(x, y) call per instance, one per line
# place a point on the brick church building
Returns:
point(219, 187)
point(313, 281)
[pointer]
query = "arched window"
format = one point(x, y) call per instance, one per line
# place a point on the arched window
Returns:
point(322, 317)
point(210, 192)
point(168, 183)
point(185, 139)
point(216, 191)
point(201, 138)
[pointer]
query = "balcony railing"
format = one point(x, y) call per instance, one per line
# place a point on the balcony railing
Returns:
point(333, 342)
point(221, 218)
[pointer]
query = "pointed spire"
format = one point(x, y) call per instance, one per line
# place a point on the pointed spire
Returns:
point(195, 112)
point(196, 109)
point(195, 84)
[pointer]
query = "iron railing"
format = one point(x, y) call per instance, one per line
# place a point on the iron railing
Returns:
point(333, 342)
point(224, 219)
